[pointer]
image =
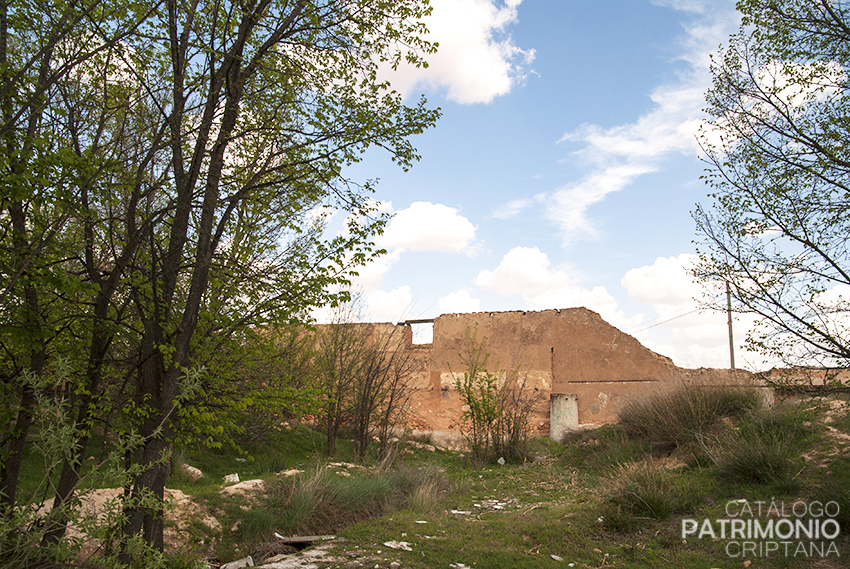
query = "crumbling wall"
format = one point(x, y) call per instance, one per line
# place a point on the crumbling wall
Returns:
point(568, 351)
point(572, 351)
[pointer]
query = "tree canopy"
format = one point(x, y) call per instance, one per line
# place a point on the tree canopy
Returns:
point(779, 165)
point(162, 171)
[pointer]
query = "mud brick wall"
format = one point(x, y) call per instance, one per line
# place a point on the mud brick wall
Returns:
point(555, 351)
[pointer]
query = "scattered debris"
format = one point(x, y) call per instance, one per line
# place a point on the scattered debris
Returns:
point(290, 472)
point(303, 538)
point(421, 522)
point(461, 512)
point(403, 545)
point(556, 558)
point(501, 461)
point(231, 478)
point(245, 562)
point(459, 566)
point(307, 559)
point(244, 487)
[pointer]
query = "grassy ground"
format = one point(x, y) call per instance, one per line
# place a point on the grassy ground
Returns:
point(601, 499)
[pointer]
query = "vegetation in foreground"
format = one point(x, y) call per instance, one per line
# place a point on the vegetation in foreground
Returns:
point(603, 498)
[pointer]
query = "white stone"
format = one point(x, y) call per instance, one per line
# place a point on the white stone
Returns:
point(245, 562)
point(194, 473)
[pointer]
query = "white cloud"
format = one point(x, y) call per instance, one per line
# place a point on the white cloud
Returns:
point(458, 302)
point(690, 335)
point(664, 283)
point(568, 206)
point(372, 274)
point(512, 208)
point(425, 226)
point(620, 154)
point(477, 60)
point(389, 306)
point(527, 271)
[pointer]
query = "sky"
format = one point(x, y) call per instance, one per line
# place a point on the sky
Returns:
point(562, 173)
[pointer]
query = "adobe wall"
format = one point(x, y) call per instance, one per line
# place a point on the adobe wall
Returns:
point(556, 351)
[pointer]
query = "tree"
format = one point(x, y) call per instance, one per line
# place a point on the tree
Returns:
point(779, 165)
point(381, 389)
point(187, 148)
point(496, 405)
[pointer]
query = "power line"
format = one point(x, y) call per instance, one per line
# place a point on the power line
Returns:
point(666, 321)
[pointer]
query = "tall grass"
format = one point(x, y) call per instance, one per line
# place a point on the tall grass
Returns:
point(647, 489)
point(763, 447)
point(680, 415)
point(325, 501)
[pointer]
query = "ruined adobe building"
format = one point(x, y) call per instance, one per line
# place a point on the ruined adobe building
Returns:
point(581, 368)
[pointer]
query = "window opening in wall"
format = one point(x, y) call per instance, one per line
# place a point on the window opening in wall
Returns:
point(423, 331)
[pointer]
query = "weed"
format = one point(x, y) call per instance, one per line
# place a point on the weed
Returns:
point(761, 449)
point(648, 489)
point(679, 415)
point(497, 406)
point(600, 449)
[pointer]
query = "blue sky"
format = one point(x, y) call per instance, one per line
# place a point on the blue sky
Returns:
point(563, 171)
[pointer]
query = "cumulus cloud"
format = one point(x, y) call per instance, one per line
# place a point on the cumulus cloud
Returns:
point(458, 302)
point(664, 283)
point(425, 226)
point(620, 154)
point(477, 60)
point(692, 336)
point(527, 271)
point(392, 306)
point(372, 274)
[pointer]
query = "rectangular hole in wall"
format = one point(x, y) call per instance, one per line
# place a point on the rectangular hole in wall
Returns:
point(423, 333)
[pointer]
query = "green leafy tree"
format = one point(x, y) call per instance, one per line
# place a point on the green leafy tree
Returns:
point(496, 405)
point(779, 166)
point(162, 164)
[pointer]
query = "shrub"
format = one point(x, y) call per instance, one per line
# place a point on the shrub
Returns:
point(762, 448)
point(602, 448)
point(324, 501)
point(679, 415)
point(497, 406)
point(648, 489)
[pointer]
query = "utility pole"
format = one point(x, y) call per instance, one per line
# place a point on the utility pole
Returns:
point(729, 322)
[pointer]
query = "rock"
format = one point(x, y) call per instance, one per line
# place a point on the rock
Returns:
point(245, 562)
point(290, 472)
point(422, 446)
point(194, 473)
point(231, 478)
point(403, 545)
point(244, 487)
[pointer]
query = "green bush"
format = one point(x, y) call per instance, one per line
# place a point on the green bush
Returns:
point(602, 448)
point(648, 489)
point(680, 415)
point(495, 420)
point(325, 501)
point(763, 447)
